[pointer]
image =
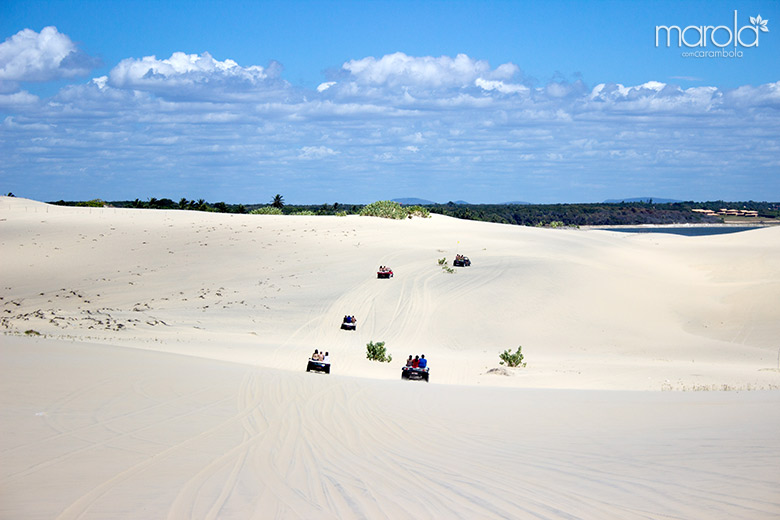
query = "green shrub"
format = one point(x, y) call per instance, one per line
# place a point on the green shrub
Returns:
point(418, 211)
point(390, 209)
point(384, 209)
point(31, 332)
point(446, 268)
point(512, 360)
point(341, 214)
point(94, 203)
point(377, 352)
point(266, 210)
point(305, 213)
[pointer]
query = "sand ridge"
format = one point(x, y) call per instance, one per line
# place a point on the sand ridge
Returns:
point(592, 309)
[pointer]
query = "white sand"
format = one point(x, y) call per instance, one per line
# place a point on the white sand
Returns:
point(236, 429)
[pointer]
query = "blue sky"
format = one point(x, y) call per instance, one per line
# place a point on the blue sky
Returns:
point(359, 101)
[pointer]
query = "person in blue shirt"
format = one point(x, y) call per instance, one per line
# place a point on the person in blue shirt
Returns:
point(423, 362)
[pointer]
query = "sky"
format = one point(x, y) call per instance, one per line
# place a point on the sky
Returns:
point(356, 101)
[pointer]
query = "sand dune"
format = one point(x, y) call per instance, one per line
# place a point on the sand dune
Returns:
point(168, 378)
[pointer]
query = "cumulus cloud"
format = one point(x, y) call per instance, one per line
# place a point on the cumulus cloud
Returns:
point(400, 69)
point(500, 86)
point(193, 75)
point(44, 56)
point(410, 78)
point(656, 96)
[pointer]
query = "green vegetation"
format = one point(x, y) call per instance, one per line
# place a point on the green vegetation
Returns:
point(418, 211)
point(384, 209)
point(444, 267)
point(94, 203)
point(512, 360)
point(390, 209)
point(377, 352)
point(31, 332)
point(601, 214)
point(222, 207)
point(266, 210)
point(540, 215)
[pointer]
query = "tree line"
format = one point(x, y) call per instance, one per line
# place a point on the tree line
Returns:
point(591, 214)
point(598, 214)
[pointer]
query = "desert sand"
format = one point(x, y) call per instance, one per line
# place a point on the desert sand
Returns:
point(153, 367)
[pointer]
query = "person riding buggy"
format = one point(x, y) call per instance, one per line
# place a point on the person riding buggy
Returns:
point(384, 272)
point(349, 323)
point(416, 369)
point(319, 362)
point(461, 261)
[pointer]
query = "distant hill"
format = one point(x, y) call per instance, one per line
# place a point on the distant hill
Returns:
point(642, 199)
point(412, 201)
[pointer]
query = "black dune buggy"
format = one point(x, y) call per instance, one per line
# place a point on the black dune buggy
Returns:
point(318, 366)
point(461, 261)
point(384, 273)
point(415, 374)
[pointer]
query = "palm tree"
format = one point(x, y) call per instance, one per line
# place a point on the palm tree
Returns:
point(278, 201)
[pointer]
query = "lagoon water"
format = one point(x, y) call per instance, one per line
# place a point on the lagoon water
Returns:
point(690, 231)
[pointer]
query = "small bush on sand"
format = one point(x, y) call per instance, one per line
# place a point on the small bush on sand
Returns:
point(304, 213)
point(446, 268)
point(31, 332)
point(266, 210)
point(418, 211)
point(384, 209)
point(377, 352)
point(512, 360)
point(390, 209)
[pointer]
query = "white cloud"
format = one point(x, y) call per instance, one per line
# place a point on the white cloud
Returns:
point(659, 97)
point(500, 86)
point(32, 56)
point(195, 76)
point(400, 70)
point(18, 100)
point(316, 152)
